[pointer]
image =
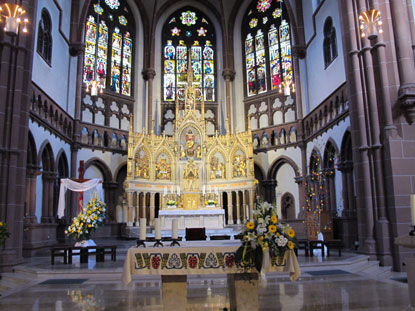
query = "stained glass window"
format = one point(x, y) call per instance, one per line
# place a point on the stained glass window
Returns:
point(267, 42)
point(109, 46)
point(188, 35)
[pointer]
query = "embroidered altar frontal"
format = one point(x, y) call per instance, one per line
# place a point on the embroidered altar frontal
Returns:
point(197, 260)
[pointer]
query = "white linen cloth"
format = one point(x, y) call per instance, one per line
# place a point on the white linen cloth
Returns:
point(67, 183)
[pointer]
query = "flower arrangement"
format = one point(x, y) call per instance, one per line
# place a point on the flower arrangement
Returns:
point(264, 233)
point(88, 221)
point(4, 233)
point(86, 302)
point(210, 203)
point(171, 203)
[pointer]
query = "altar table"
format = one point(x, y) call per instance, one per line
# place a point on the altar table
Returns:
point(175, 263)
point(203, 218)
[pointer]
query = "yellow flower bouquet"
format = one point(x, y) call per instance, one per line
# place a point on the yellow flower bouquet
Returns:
point(264, 233)
point(87, 221)
point(4, 233)
point(210, 203)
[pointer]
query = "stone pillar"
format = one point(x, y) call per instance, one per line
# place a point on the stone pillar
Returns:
point(230, 208)
point(238, 209)
point(130, 208)
point(30, 208)
point(251, 203)
point(345, 195)
point(148, 75)
point(244, 205)
point(228, 75)
point(269, 186)
point(47, 197)
point(137, 208)
point(152, 208)
point(143, 207)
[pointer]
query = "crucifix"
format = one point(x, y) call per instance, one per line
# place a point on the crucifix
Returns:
point(80, 179)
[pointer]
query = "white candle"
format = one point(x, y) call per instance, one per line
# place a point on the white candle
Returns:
point(178, 190)
point(175, 229)
point(209, 189)
point(216, 190)
point(413, 209)
point(171, 190)
point(204, 189)
point(157, 228)
point(165, 191)
point(143, 228)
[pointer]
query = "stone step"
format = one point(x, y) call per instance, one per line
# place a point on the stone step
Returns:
point(11, 282)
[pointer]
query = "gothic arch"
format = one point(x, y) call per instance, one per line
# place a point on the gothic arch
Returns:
point(272, 172)
point(102, 166)
point(346, 152)
point(31, 151)
point(330, 147)
point(60, 159)
point(46, 157)
point(288, 206)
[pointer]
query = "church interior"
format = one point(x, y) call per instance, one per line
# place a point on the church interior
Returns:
point(168, 118)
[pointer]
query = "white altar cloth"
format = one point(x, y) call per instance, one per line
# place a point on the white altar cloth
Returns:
point(209, 219)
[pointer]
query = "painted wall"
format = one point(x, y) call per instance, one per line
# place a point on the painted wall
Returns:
point(321, 81)
point(286, 183)
point(57, 79)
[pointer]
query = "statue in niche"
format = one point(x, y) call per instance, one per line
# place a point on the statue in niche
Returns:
point(182, 152)
point(239, 166)
point(163, 170)
point(198, 152)
point(191, 176)
point(265, 141)
point(142, 168)
point(190, 143)
point(217, 169)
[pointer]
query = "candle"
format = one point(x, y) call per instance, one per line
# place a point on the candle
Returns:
point(157, 228)
point(165, 191)
point(216, 190)
point(204, 189)
point(175, 229)
point(143, 228)
point(178, 190)
point(413, 209)
point(171, 190)
point(209, 189)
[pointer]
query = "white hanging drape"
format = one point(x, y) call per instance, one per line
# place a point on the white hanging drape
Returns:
point(67, 183)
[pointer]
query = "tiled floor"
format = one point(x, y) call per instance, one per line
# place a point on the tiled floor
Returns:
point(333, 284)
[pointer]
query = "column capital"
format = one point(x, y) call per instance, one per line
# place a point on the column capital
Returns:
point(76, 48)
point(228, 74)
point(299, 51)
point(148, 74)
point(406, 97)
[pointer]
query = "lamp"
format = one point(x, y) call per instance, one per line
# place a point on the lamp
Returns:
point(13, 14)
point(95, 85)
point(286, 85)
point(370, 24)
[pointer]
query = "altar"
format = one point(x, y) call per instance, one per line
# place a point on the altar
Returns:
point(202, 218)
point(199, 178)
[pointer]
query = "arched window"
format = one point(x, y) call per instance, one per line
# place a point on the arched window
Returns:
point(267, 46)
point(44, 36)
point(188, 33)
point(109, 51)
point(330, 42)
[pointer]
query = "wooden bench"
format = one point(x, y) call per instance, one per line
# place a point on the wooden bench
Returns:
point(303, 244)
point(67, 252)
point(334, 244)
point(316, 245)
point(220, 237)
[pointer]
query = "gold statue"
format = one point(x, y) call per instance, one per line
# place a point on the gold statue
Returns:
point(191, 176)
point(163, 170)
point(190, 143)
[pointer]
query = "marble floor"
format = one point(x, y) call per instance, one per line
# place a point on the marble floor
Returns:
point(349, 282)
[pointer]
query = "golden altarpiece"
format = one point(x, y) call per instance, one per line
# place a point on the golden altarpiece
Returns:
point(190, 171)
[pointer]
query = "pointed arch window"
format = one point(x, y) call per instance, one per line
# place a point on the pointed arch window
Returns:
point(44, 36)
point(188, 33)
point(109, 39)
point(267, 46)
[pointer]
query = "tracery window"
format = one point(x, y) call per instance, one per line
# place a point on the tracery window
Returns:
point(109, 38)
point(44, 36)
point(188, 33)
point(267, 46)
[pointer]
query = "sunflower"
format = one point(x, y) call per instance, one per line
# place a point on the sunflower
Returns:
point(290, 245)
point(291, 233)
point(250, 225)
point(272, 228)
point(274, 219)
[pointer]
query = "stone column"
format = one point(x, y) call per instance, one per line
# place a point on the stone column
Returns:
point(47, 197)
point(358, 123)
point(230, 208)
point(238, 209)
point(345, 195)
point(143, 209)
point(251, 203)
point(30, 208)
point(228, 75)
point(269, 186)
point(244, 205)
point(130, 208)
point(148, 75)
point(152, 208)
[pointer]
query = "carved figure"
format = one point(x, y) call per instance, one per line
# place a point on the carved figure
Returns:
point(191, 176)
point(163, 170)
point(190, 143)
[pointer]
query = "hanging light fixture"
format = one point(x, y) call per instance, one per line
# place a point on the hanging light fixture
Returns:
point(94, 86)
point(370, 24)
point(12, 13)
point(287, 86)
